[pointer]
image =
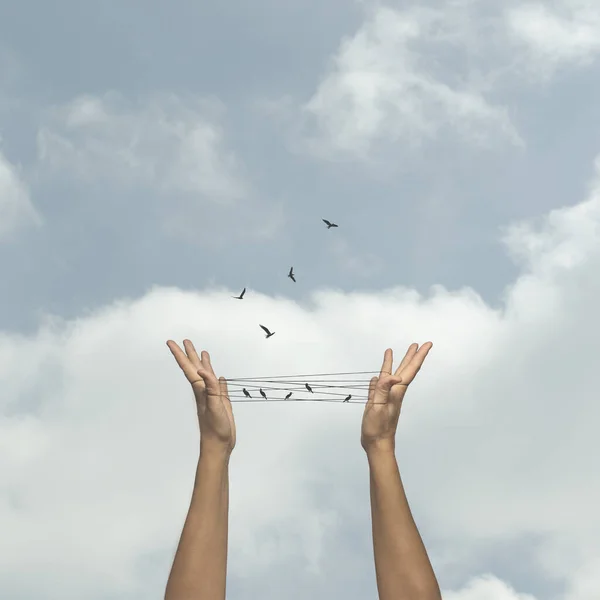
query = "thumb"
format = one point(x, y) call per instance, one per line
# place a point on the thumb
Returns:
point(213, 390)
point(383, 387)
point(386, 384)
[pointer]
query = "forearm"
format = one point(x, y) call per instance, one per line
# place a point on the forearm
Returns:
point(200, 566)
point(402, 566)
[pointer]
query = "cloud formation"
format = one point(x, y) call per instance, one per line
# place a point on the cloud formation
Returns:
point(165, 142)
point(16, 208)
point(497, 439)
point(557, 34)
point(387, 83)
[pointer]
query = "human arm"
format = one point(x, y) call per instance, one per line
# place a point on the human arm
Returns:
point(199, 570)
point(402, 567)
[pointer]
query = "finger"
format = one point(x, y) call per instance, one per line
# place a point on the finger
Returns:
point(411, 370)
point(372, 385)
point(211, 383)
point(382, 394)
point(388, 359)
point(224, 391)
point(412, 350)
point(192, 354)
point(206, 364)
point(184, 362)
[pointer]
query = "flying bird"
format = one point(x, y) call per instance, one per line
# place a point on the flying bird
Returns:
point(348, 398)
point(241, 296)
point(288, 396)
point(329, 224)
point(246, 393)
point(308, 388)
point(291, 274)
point(263, 394)
point(269, 333)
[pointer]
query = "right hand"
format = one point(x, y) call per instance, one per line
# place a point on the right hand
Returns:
point(386, 392)
point(215, 415)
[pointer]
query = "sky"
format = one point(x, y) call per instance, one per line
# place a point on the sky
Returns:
point(156, 158)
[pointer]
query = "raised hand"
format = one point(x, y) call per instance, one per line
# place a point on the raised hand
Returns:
point(386, 393)
point(215, 416)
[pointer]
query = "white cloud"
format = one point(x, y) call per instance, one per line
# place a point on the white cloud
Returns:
point(386, 84)
point(497, 440)
point(557, 34)
point(165, 141)
point(487, 588)
point(16, 209)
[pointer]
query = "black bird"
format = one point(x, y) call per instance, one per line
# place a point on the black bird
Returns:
point(246, 393)
point(291, 274)
point(241, 296)
point(348, 398)
point(308, 388)
point(329, 224)
point(288, 396)
point(263, 394)
point(269, 334)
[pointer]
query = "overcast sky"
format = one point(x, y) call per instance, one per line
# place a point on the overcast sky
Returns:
point(156, 158)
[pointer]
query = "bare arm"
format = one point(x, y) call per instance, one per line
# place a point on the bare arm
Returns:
point(401, 563)
point(200, 567)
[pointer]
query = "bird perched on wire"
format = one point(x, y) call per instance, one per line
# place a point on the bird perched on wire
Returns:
point(269, 333)
point(308, 388)
point(291, 274)
point(329, 224)
point(348, 398)
point(262, 393)
point(241, 296)
point(288, 396)
point(246, 393)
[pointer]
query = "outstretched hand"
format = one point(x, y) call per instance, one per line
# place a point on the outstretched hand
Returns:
point(386, 393)
point(215, 416)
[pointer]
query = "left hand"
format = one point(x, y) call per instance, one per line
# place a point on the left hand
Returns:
point(386, 393)
point(215, 415)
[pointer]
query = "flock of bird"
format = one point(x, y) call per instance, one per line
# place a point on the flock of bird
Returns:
point(289, 394)
point(290, 275)
point(269, 333)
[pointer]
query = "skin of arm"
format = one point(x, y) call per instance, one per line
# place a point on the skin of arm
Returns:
point(199, 569)
point(402, 566)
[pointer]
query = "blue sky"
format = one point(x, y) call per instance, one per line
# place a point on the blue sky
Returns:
point(157, 158)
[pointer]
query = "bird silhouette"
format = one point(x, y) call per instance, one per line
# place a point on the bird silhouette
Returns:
point(262, 393)
point(329, 224)
point(241, 296)
point(291, 274)
point(348, 398)
point(269, 333)
point(308, 388)
point(246, 393)
point(288, 396)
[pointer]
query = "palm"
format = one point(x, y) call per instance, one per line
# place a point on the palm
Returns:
point(215, 414)
point(218, 421)
point(386, 393)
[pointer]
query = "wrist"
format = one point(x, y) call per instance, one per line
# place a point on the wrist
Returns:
point(214, 453)
point(380, 448)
